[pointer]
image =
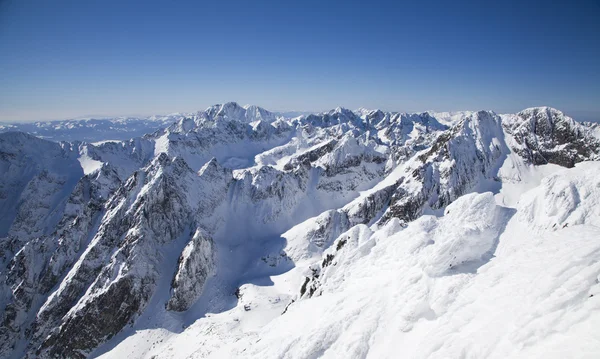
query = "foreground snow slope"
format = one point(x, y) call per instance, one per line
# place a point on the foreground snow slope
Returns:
point(474, 283)
point(238, 232)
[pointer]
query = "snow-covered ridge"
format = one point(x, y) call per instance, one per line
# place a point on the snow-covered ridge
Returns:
point(247, 214)
point(473, 282)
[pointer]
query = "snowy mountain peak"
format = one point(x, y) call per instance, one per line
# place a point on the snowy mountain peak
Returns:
point(546, 135)
point(548, 111)
point(542, 116)
point(214, 171)
point(342, 110)
point(231, 111)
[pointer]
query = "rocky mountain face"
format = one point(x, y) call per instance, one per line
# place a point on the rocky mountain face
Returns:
point(95, 237)
point(545, 135)
point(37, 176)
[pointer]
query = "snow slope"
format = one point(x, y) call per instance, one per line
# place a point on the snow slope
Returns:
point(475, 282)
point(236, 232)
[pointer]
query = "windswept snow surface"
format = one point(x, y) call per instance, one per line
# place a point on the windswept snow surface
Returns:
point(476, 282)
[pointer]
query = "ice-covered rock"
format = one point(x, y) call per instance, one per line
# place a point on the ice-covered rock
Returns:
point(467, 235)
point(567, 198)
point(194, 266)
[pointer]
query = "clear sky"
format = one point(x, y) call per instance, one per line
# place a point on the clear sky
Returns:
point(73, 58)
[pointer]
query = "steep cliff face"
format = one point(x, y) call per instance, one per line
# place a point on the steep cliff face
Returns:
point(194, 266)
point(123, 262)
point(41, 263)
point(100, 236)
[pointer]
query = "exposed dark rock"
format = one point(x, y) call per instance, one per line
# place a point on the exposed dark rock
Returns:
point(545, 135)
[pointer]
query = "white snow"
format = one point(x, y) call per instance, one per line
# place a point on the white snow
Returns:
point(98, 143)
point(474, 283)
point(88, 164)
point(505, 261)
point(567, 198)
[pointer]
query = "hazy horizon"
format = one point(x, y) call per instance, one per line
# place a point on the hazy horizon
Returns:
point(579, 116)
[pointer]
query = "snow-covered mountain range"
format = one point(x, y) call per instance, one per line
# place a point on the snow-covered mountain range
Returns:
point(238, 232)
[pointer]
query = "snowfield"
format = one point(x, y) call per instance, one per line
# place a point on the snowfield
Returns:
point(239, 233)
point(476, 282)
point(450, 287)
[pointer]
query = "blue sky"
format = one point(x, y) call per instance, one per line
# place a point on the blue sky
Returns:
point(65, 59)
